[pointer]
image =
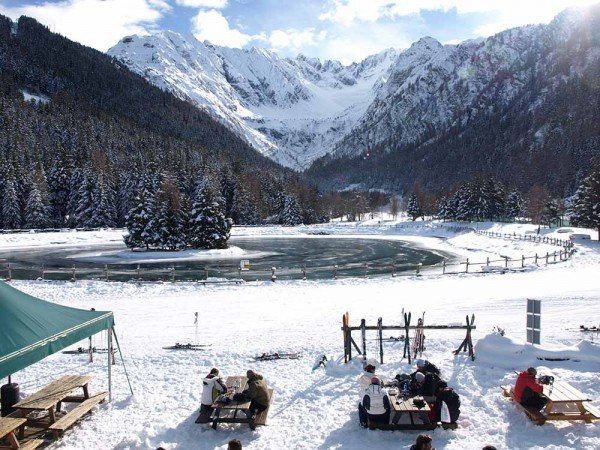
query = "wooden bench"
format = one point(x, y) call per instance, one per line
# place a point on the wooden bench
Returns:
point(261, 418)
point(75, 414)
point(31, 444)
point(532, 413)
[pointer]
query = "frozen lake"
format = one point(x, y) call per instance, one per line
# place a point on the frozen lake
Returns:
point(318, 254)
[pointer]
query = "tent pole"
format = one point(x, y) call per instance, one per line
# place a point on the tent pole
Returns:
point(122, 360)
point(108, 346)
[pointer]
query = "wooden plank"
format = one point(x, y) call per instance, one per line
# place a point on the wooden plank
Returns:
point(31, 444)
point(534, 415)
point(10, 424)
point(76, 413)
point(53, 393)
point(592, 410)
point(562, 392)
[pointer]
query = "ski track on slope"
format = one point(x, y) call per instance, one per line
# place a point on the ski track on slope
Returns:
point(317, 410)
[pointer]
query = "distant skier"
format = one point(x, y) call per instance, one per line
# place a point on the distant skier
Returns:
point(528, 389)
point(375, 407)
point(212, 386)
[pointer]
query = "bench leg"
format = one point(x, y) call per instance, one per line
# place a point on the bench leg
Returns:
point(52, 415)
point(584, 412)
point(86, 392)
point(12, 440)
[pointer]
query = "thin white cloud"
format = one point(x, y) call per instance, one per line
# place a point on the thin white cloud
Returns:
point(96, 23)
point(502, 13)
point(212, 26)
point(214, 4)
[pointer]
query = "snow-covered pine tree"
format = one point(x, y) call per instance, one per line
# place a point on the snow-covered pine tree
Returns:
point(514, 205)
point(36, 212)
point(585, 209)
point(291, 213)
point(170, 219)
point(208, 226)
point(11, 211)
point(445, 209)
point(551, 213)
point(103, 212)
point(58, 193)
point(494, 196)
point(75, 181)
point(413, 208)
point(244, 210)
point(140, 215)
point(85, 200)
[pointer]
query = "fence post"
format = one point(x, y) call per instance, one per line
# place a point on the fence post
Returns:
point(73, 277)
point(419, 268)
point(9, 273)
point(443, 267)
point(467, 266)
point(536, 259)
point(366, 270)
point(273, 276)
point(554, 255)
point(335, 268)
point(522, 261)
point(393, 268)
point(487, 261)
point(506, 262)
point(547, 255)
point(106, 272)
point(173, 274)
point(206, 273)
point(138, 271)
point(42, 272)
point(363, 333)
point(304, 272)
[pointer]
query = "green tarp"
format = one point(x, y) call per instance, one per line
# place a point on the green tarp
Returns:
point(31, 329)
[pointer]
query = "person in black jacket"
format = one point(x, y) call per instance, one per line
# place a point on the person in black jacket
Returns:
point(446, 395)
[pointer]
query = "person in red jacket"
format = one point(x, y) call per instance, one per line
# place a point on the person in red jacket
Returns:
point(528, 390)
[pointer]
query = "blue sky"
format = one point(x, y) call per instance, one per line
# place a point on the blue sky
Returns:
point(347, 30)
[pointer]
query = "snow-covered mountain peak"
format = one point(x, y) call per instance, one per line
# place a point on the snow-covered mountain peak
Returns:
point(296, 110)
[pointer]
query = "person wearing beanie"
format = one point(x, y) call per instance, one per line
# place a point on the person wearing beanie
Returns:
point(212, 387)
point(365, 379)
point(375, 407)
point(234, 444)
point(429, 374)
point(528, 390)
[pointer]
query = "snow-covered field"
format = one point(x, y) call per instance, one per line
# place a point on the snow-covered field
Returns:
point(317, 410)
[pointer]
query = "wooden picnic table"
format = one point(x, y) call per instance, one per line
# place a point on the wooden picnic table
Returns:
point(567, 403)
point(8, 426)
point(418, 415)
point(564, 403)
point(237, 411)
point(52, 396)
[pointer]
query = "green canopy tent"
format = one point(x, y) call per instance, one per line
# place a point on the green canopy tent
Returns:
point(31, 329)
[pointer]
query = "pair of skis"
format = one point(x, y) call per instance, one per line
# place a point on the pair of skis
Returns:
point(189, 346)
point(276, 356)
point(418, 344)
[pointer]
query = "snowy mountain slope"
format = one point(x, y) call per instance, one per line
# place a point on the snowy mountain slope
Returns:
point(289, 109)
point(299, 110)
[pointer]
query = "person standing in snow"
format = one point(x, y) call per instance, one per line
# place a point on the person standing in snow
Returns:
point(257, 392)
point(528, 390)
point(365, 379)
point(375, 407)
point(448, 401)
point(212, 386)
point(424, 442)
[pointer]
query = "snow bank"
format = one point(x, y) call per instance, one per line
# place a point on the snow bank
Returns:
point(501, 351)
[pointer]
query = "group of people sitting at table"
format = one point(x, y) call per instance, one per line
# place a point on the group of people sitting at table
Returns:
point(375, 404)
point(213, 386)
